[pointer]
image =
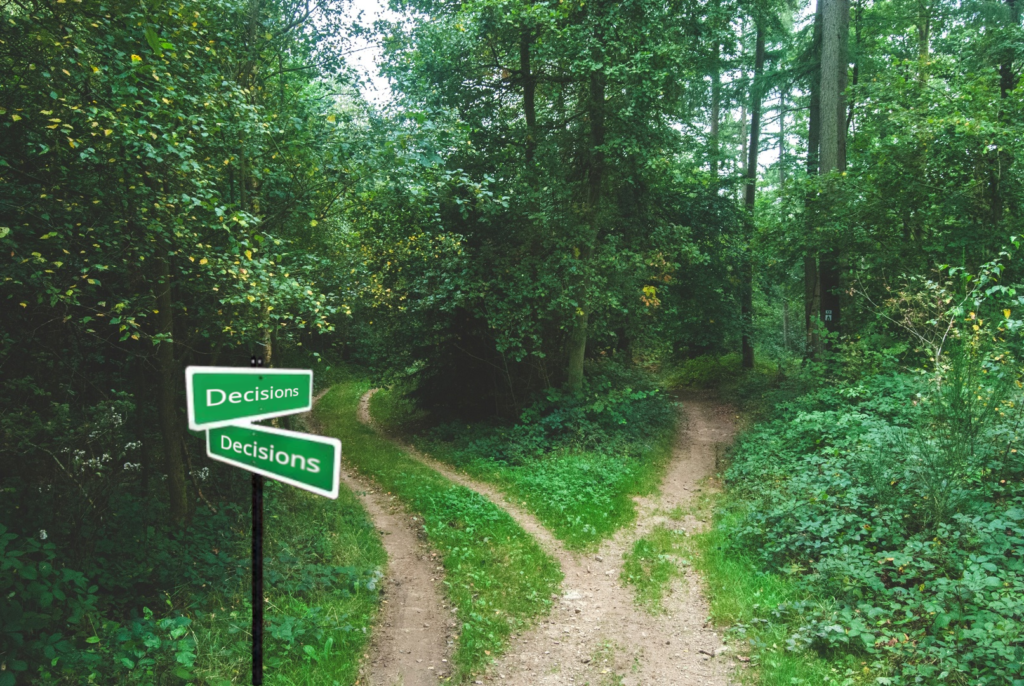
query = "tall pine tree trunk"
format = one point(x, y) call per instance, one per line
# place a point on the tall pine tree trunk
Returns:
point(812, 294)
point(750, 191)
point(782, 137)
point(834, 65)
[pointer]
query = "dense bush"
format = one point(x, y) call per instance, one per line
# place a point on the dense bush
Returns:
point(617, 413)
point(900, 498)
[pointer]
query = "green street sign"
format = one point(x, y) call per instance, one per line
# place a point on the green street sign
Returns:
point(302, 460)
point(219, 396)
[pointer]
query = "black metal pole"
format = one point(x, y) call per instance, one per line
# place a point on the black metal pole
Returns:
point(257, 579)
point(257, 570)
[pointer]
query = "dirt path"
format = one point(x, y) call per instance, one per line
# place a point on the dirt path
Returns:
point(411, 643)
point(596, 634)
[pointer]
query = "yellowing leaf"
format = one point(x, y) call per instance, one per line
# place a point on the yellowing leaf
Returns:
point(250, 298)
point(248, 254)
point(107, 132)
point(202, 261)
point(95, 69)
point(313, 223)
point(331, 118)
point(136, 58)
point(15, 117)
point(1006, 313)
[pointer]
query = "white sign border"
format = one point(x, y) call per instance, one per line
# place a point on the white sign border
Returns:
point(332, 494)
point(192, 370)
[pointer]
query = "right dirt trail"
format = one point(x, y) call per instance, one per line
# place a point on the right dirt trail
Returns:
point(596, 634)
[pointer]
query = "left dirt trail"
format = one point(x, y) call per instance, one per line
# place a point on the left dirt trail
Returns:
point(410, 644)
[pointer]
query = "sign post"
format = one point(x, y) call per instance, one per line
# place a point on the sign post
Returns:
point(257, 579)
point(224, 401)
point(257, 549)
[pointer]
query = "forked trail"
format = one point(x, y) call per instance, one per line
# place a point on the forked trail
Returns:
point(596, 634)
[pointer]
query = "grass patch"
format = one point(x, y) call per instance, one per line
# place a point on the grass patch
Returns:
point(652, 564)
point(322, 569)
point(582, 496)
point(496, 575)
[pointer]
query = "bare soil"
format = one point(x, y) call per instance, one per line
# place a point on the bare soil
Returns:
point(412, 640)
point(596, 634)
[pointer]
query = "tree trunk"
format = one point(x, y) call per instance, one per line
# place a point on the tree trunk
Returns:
point(595, 174)
point(167, 396)
point(856, 65)
point(811, 291)
point(830, 290)
point(742, 165)
point(782, 138)
point(812, 303)
point(716, 105)
point(747, 268)
point(834, 65)
point(831, 54)
point(577, 350)
point(842, 78)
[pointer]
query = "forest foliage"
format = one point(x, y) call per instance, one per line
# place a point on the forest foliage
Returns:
point(559, 198)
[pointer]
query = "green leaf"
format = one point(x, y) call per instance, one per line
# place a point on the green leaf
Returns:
point(93, 639)
point(154, 41)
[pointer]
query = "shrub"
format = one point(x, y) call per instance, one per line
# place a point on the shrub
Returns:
point(901, 501)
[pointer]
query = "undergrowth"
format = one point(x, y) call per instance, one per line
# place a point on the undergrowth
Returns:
point(751, 605)
point(874, 521)
point(151, 605)
point(574, 461)
point(496, 576)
